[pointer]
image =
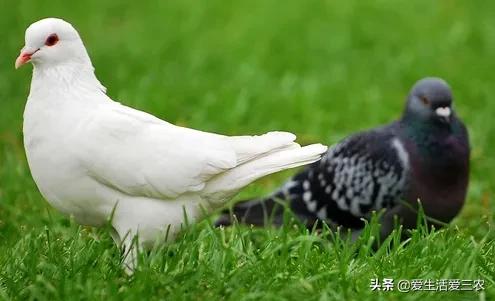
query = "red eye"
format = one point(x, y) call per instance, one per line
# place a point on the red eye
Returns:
point(51, 40)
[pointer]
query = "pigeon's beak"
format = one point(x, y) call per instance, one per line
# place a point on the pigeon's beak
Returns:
point(25, 56)
point(444, 113)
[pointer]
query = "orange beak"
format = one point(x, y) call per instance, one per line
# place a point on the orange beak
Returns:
point(24, 57)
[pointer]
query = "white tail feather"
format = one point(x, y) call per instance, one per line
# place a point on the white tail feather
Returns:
point(248, 148)
point(230, 182)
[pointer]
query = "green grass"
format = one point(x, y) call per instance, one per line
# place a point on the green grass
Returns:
point(321, 69)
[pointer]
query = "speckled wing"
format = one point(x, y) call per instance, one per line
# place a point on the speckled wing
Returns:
point(365, 172)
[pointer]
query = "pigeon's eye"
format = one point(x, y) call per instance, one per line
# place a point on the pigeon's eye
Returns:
point(51, 40)
point(425, 100)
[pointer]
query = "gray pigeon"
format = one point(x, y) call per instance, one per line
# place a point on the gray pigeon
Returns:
point(422, 156)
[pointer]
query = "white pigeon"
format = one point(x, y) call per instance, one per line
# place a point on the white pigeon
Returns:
point(99, 161)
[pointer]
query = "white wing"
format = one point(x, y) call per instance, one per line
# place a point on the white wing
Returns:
point(141, 155)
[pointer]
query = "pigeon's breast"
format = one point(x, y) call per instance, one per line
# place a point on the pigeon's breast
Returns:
point(51, 145)
point(439, 178)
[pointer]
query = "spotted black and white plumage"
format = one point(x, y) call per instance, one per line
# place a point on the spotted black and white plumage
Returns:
point(355, 177)
point(423, 155)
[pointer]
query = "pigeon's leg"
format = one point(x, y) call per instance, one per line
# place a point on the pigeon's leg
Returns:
point(115, 236)
point(130, 245)
point(129, 255)
point(128, 241)
point(355, 234)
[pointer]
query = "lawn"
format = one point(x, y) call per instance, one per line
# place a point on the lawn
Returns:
point(321, 69)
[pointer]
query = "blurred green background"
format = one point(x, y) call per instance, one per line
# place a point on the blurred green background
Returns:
point(321, 69)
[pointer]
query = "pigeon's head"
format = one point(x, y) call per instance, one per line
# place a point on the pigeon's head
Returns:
point(430, 100)
point(51, 42)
